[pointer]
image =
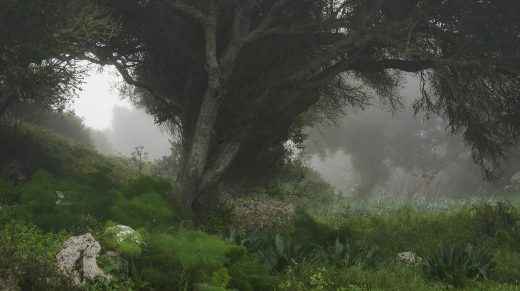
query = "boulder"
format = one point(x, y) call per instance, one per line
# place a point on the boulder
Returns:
point(124, 239)
point(408, 258)
point(515, 179)
point(77, 259)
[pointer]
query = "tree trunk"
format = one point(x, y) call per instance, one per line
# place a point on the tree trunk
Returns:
point(4, 103)
point(187, 187)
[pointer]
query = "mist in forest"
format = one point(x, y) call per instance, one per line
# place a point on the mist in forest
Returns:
point(382, 152)
point(131, 128)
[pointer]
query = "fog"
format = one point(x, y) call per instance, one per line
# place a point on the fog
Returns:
point(131, 128)
point(117, 125)
point(375, 152)
point(378, 152)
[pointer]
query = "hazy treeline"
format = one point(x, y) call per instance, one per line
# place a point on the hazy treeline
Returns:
point(384, 152)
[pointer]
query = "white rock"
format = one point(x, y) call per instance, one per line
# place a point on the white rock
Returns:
point(408, 258)
point(515, 180)
point(123, 233)
point(84, 248)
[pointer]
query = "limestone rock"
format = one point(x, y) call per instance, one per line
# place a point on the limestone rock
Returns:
point(124, 239)
point(77, 259)
point(515, 180)
point(408, 258)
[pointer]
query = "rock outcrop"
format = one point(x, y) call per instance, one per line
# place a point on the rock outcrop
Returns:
point(77, 259)
point(408, 258)
point(515, 180)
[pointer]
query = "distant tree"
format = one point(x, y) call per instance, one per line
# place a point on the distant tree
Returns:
point(39, 41)
point(240, 78)
point(139, 157)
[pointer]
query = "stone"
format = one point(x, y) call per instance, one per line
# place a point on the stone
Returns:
point(515, 179)
point(123, 233)
point(408, 258)
point(77, 259)
point(124, 239)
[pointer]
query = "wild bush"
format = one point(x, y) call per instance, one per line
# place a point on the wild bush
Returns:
point(500, 221)
point(458, 264)
point(348, 253)
point(9, 193)
point(186, 258)
point(146, 210)
point(28, 257)
point(57, 204)
point(279, 251)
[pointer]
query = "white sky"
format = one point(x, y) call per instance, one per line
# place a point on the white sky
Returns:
point(98, 98)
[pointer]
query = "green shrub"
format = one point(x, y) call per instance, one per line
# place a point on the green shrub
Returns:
point(9, 194)
point(124, 240)
point(248, 275)
point(29, 256)
point(500, 221)
point(147, 184)
point(279, 251)
point(457, 264)
point(308, 229)
point(145, 210)
point(189, 256)
point(347, 254)
point(57, 204)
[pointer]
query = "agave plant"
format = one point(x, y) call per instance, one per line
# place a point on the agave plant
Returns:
point(252, 241)
point(281, 250)
point(458, 264)
point(348, 254)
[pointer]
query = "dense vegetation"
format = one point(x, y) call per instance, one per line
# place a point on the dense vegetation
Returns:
point(234, 206)
point(280, 242)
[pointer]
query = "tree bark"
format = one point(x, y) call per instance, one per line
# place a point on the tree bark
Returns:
point(4, 103)
point(187, 188)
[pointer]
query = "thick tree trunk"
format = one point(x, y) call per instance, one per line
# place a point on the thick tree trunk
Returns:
point(187, 187)
point(4, 103)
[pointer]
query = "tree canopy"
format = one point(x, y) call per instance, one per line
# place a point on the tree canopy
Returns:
point(238, 79)
point(39, 40)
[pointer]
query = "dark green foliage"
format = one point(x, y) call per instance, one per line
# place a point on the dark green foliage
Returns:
point(38, 38)
point(61, 203)
point(32, 148)
point(213, 214)
point(279, 251)
point(147, 209)
point(64, 123)
point(500, 221)
point(308, 229)
point(457, 264)
point(188, 257)
point(147, 184)
point(9, 193)
point(28, 256)
point(146, 202)
point(348, 253)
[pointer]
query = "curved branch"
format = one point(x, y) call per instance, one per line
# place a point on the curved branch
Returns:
point(189, 11)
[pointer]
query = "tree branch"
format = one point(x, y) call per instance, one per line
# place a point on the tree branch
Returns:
point(367, 66)
point(189, 11)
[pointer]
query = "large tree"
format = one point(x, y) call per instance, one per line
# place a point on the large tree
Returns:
point(238, 79)
point(38, 42)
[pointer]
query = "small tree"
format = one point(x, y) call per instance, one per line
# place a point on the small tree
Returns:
point(139, 157)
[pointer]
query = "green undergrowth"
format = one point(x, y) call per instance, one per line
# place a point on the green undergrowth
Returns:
point(33, 148)
point(294, 243)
